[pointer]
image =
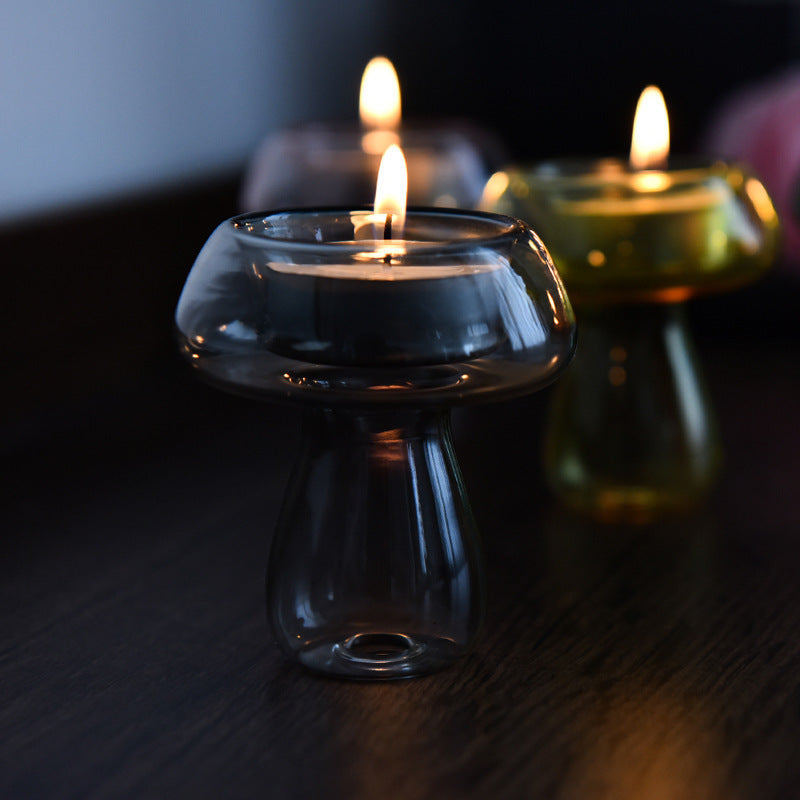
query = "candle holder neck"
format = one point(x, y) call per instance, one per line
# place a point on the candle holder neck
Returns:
point(632, 433)
point(375, 569)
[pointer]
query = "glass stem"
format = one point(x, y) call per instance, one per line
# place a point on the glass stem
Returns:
point(631, 432)
point(375, 569)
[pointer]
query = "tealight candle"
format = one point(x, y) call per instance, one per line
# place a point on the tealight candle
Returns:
point(641, 230)
point(631, 433)
point(382, 317)
point(379, 311)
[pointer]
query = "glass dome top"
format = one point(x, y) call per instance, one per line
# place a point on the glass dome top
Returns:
point(314, 306)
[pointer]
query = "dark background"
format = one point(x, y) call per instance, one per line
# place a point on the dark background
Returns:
point(561, 79)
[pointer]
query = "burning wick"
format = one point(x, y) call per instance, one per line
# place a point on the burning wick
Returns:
point(387, 234)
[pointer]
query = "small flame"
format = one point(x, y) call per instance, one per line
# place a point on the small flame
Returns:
point(379, 101)
point(494, 189)
point(650, 141)
point(391, 193)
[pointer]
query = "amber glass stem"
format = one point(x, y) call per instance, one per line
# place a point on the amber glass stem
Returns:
point(631, 431)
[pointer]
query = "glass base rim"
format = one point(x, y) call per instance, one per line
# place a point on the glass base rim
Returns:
point(379, 655)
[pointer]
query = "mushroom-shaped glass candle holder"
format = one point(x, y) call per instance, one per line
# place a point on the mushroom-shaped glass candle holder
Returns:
point(631, 433)
point(321, 164)
point(375, 569)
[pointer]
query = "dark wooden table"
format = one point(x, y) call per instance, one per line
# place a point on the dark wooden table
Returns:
point(655, 662)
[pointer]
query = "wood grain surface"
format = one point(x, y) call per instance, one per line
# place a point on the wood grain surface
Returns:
point(657, 662)
point(135, 661)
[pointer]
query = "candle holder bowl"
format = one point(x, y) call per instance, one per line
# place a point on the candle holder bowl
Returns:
point(321, 165)
point(631, 432)
point(375, 568)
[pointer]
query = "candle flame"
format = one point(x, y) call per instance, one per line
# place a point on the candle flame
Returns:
point(494, 189)
point(379, 100)
point(391, 193)
point(650, 140)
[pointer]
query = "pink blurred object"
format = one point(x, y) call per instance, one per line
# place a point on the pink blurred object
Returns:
point(760, 126)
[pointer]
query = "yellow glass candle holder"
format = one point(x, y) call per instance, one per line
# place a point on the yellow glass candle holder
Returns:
point(631, 433)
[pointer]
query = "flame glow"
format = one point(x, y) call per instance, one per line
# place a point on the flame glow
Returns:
point(391, 192)
point(379, 101)
point(494, 189)
point(650, 140)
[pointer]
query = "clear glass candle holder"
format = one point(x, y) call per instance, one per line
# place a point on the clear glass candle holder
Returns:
point(375, 568)
point(631, 433)
point(334, 165)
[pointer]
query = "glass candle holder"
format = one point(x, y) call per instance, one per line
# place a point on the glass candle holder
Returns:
point(375, 569)
point(631, 433)
point(331, 165)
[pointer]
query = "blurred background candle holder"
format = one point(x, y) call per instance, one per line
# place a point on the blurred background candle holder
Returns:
point(319, 164)
point(375, 569)
point(631, 433)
